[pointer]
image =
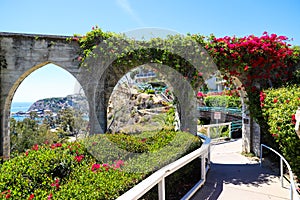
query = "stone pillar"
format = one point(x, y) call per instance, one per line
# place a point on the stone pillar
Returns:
point(246, 128)
point(255, 148)
point(4, 130)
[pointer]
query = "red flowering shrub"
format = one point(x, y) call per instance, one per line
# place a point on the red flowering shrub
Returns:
point(279, 113)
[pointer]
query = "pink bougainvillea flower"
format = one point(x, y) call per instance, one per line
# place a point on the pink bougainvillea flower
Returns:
point(262, 96)
point(106, 166)
point(200, 94)
point(293, 119)
point(35, 147)
point(119, 163)
point(95, 166)
point(6, 193)
point(79, 158)
point(49, 196)
point(55, 145)
point(56, 184)
point(31, 197)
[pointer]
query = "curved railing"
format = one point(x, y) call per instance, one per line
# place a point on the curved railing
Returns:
point(293, 189)
point(158, 178)
point(231, 111)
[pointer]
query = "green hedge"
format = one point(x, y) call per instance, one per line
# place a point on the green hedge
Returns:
point(222, 101)
point(278, 107)
point(99, 167)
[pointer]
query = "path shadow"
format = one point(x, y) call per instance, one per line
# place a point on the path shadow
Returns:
point(237, 174)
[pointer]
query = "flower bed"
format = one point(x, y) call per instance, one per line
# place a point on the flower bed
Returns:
point(99, 167)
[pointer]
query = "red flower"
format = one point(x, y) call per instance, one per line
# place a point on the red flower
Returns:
point(95, 167)
point(287, 101)
point(31, 197)
point(293, 119)
point(246, 68)
point(119, 163)
point(106, 166)
point(26, 153)
point(275, 100)
point(54, 145)
point(262, 96)
point(79, 158)
point(200, 94)
point(56, 184)
point(7, 192)
point(49, 196)
point(35, 147)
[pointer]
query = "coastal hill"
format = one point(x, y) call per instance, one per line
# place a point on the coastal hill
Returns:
point(55, 104)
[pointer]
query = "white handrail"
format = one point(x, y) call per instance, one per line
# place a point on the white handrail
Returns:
point(208, 126)
point(158, 178)
point(293, 189)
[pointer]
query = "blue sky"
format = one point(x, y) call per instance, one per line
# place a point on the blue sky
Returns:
point(66, 17)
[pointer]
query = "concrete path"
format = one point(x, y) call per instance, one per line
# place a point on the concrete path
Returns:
point(236, 177)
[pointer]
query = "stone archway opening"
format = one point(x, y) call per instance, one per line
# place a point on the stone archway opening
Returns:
point(42, 97)
point(141, 101)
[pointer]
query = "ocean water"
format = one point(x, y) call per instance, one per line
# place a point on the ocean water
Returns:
point(20, 106)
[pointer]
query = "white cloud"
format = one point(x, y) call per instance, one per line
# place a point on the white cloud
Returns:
point(125, 5)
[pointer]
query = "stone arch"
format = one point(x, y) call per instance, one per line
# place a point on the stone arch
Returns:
point(105, 68)
point(10, 94)
point(182, 90)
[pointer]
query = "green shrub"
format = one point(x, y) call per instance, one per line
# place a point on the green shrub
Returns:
point(278, 108)
point(99, 167)
point(26, 133)
point(222, 101)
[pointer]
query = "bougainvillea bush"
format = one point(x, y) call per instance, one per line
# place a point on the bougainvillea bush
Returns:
point(99, 168)
point(279, 107)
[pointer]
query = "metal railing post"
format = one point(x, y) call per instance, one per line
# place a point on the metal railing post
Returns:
point(161, 189)
point(281, 172)
point(261, 152)
point(230, 134)
point(293, 189)
point(203, 168)
point(291, 192)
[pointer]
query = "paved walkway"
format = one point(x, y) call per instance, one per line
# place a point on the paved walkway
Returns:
point(235, 177)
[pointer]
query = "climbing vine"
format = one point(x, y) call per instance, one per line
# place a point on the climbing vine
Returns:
point(258, 62)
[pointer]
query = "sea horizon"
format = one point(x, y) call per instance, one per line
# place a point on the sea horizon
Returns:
point(17, 106)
